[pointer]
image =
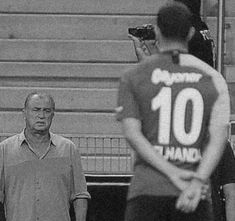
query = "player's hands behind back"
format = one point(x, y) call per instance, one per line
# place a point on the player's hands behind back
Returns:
point(191, 196)
point(192, 189)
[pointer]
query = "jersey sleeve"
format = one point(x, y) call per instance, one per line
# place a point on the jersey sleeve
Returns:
point(127, 103)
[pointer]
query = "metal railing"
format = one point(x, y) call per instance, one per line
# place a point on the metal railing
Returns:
point(104, 155)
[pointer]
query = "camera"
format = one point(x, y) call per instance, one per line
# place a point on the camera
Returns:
point(144, 32)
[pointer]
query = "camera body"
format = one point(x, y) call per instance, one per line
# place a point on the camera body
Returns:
point(144, 32)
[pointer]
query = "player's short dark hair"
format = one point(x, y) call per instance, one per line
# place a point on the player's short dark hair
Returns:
point(193, 5)
point(174, 21)
point(41, 95)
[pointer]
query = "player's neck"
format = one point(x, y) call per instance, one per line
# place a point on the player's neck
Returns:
point(172, 45)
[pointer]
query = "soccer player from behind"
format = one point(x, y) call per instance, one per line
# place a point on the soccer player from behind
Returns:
point(168, 104)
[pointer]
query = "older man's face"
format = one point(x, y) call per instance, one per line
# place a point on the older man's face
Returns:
point(39, 114)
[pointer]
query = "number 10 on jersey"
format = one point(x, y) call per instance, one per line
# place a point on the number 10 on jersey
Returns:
point(172, 115)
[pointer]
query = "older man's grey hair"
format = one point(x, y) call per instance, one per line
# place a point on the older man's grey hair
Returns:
point(40, 95)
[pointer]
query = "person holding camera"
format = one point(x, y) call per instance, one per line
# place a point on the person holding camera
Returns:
point(201, 45)
point(168, 104)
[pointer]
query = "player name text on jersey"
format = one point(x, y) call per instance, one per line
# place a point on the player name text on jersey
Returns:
point(185, 154)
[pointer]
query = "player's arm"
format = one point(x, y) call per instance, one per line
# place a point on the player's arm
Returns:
point(190, 198)
point(218, 125)
point(218, 128)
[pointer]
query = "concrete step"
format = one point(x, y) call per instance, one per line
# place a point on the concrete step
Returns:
point(99, 6)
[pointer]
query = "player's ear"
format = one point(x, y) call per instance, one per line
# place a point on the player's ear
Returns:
point(191, 33)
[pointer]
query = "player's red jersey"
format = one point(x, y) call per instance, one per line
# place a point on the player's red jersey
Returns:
point(174, 103)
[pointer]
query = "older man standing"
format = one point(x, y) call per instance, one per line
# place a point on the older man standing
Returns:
point(41, 172)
